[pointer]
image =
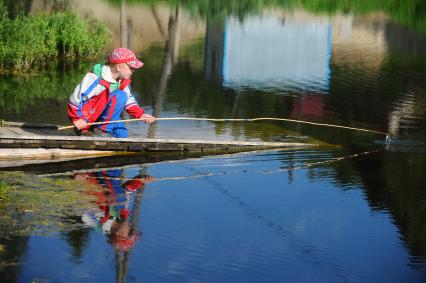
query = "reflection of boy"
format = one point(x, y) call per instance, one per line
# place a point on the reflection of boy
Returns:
point(113, 205)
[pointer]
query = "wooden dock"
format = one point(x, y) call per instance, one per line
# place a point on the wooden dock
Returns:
point(18, 137)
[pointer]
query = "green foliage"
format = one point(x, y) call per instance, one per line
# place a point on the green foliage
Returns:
point(3, 11)
point(4, 190)
point(36, 40)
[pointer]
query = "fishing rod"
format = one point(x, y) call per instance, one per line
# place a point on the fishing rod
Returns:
point(237, 120)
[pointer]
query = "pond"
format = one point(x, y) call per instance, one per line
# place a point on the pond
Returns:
point(351, 210)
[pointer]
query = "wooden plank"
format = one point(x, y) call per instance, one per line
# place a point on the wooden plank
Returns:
point(105, 140)
point(26, 129)
point(25, 140)
point(27, 125)
point(143, 145)
point(6, 131)
point(19, 131)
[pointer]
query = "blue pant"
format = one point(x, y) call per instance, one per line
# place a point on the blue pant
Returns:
point(116, 103)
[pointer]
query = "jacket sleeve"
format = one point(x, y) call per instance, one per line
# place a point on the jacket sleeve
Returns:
point(132, 106)
point(133, 185)
point(74, 103)
point(73, 112)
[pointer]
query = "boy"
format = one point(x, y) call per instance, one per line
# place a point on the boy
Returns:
point(104, 94)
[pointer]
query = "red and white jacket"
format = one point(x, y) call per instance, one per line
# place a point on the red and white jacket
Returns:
point(91, 96)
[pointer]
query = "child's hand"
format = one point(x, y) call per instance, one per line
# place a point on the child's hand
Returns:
point(80, 124)
point(148, 119)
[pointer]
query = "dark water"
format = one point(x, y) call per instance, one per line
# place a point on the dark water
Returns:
point(351, 213)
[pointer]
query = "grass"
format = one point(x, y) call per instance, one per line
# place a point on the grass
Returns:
point(4, 190)
point(41, 206)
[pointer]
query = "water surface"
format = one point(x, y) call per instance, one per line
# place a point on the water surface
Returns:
point(354, 212)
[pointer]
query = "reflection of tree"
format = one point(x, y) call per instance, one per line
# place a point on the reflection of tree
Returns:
point(170, 58)
point(21, 94)
point(408, 63)
point(125, 26)
point(14, 250)
point(376, 101)
point(78, 239)
point(27, 212)
point(158, 21)
point(410, 13)
point(400, 191)
point(122, 258)
point(407, 107)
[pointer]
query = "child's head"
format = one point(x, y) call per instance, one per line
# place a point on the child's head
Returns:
point(122, 237)
point(124, 61)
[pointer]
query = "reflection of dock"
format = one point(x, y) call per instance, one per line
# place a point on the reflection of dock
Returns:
point(59, 167)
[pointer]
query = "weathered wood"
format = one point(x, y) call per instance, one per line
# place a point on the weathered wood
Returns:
point(137, 144)
point(6, 131)
point(18, 131)
point(28, 125)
